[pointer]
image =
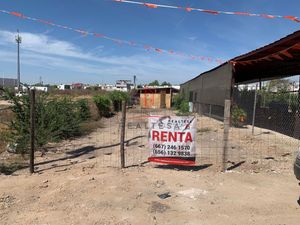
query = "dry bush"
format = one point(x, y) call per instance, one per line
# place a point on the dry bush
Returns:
point(76, 93)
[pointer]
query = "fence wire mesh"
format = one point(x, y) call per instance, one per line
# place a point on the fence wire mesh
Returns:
point(264, 134)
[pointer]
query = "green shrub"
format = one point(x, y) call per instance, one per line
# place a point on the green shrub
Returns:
point(181, 104)
point(84, 109)
point(56, 119)
point(238, 116)
point(103, 103)
point(184, 107)
point(177, 100)
point(59, 119)
point(117, 97)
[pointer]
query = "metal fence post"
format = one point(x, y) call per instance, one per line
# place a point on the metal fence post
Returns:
point(226, 133)
point(122, 140)
point(254, 110)
point(32, 130)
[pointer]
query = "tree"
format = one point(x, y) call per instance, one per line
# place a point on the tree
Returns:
point(280, 85)
point(165, 83)
point(154, 83)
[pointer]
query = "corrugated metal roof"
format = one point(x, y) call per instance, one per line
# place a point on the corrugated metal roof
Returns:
point(272, 48)
point(264, 63)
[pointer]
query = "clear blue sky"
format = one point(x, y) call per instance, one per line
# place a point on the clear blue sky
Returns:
point(61, 56)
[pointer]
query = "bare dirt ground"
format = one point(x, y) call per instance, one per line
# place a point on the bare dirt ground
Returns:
point(78, 182)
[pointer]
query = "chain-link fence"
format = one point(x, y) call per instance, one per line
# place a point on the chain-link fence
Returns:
point(263, 133)
point(265, 127)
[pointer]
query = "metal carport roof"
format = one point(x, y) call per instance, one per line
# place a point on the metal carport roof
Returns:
point(276, 60)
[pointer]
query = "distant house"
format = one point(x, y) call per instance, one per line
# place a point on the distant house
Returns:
point(77, 86)
point(8, 82)
point(37, 88)
point(123, 85)
point(156, 97)
point(64, 87)
point(106, 87)
point(40, 88)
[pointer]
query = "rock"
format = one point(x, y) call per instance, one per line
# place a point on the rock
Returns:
point(159, 183)
point(164, 195)
point(6, 201)
point(139, 195)
point(44, 186)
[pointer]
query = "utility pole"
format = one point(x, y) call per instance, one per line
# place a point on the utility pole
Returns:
point(18, 40)
point(134, 81)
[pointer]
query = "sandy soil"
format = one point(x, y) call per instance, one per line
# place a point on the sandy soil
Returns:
point(78, 182)
point(4, 103)
point(87, 193)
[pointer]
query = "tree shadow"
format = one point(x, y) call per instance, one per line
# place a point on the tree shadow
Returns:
point(10, 169)
point(82, 151)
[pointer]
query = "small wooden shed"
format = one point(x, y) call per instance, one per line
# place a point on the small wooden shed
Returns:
point(156, 97)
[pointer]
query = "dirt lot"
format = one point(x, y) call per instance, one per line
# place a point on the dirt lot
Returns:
point(77, 181)
point(89, 194)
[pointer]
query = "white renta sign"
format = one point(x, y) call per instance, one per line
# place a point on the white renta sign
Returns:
point(172, 139)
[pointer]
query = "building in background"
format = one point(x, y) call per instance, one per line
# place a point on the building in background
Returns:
point(8, 82)
point(106, 87)
point(39, 88)
point(156, 97)
point(121, 85)
point(63, 87)
point(78, 86)
point(124, 85)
